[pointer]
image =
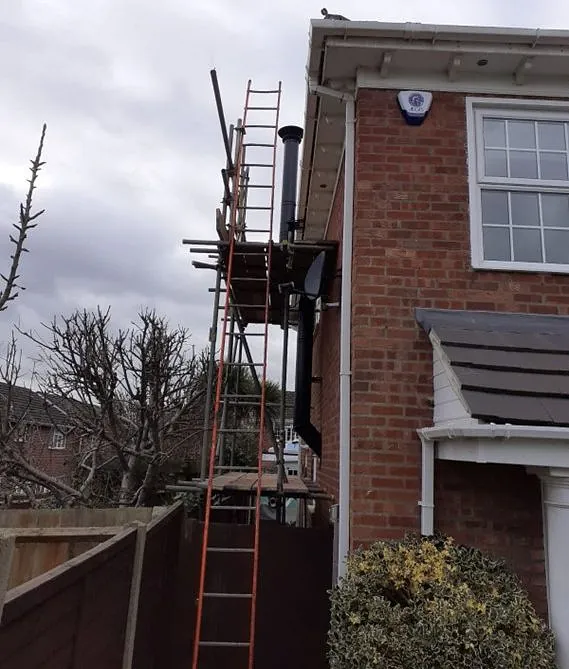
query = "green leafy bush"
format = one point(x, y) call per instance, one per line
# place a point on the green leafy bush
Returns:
point(430, 604)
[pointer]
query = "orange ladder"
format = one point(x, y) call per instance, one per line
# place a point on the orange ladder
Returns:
point(255, 154)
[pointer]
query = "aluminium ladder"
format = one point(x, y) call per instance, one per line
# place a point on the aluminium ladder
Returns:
point(255, 154)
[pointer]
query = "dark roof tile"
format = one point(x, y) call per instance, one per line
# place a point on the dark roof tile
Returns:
point(512, 368)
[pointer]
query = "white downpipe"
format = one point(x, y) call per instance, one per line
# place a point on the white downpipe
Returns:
point(345, 324)
point(427, 502)
point(346, 342)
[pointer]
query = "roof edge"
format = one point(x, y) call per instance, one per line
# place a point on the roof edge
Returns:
point(501, 321)
point(440, 32)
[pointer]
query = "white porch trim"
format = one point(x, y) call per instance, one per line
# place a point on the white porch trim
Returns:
point(543, 449)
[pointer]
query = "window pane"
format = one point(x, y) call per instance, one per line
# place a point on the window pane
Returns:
point(557, 246)
point(527, 245)
point(551, 135)
point(525, 209)
point(553, 165)
point(494, 132)
point(496, 165)
point(523, 164)
point(495, 207)
point(521, 134)
point(555, 210)
point(496, 243)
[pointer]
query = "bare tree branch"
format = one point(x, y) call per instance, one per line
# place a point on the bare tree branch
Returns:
point(25, 224)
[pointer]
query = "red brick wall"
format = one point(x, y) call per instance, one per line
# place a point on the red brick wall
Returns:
point(55, 462)
point(412, 249)
point(495, 507)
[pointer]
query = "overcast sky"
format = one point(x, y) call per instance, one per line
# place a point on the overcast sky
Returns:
point(133, 148)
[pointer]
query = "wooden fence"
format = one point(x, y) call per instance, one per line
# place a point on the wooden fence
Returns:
point(46, 538)
point(129, 601)
point(293, 608)
point(89, 612)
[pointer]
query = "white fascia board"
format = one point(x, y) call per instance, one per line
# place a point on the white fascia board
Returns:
point(322, 28)
point(528, 445)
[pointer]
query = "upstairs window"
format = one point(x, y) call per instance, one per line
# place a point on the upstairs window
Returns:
point(57, 441)
point(518, 154)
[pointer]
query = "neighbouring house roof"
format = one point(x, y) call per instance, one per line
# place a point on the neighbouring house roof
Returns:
point(351, 55)
point(30, 406)
point(509, 368)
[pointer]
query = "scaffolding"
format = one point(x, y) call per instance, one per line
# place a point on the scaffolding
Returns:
point(246, 259)
point(257, 284)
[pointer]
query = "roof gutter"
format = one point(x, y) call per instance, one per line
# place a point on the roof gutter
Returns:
point(493, 431)
point(322, 29)
point(394, 44)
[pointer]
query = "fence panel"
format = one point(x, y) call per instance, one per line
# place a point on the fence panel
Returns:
point(74, 615)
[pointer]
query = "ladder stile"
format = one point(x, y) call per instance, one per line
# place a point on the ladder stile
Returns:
point(249, 196)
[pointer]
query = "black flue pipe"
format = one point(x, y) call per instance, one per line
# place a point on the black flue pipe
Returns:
point(291, 136)
point(303, 381)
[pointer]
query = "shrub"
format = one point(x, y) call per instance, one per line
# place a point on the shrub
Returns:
point(430, 604)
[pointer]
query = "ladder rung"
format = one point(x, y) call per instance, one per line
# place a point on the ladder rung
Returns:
point(234, 508)
point(262, 109)
point(243, 397)
point(258, 230)
point(259, 125)
point(240, 430)
point(226, 644)
point(257, 165)
point(246, 334)
point(231, 550)
point(251, 90)
point(257, 208)
point(243, 364)
point(261, 144)
point(229, 595)
point(243, 306)
point(250, 278)
point(257, 185)
point(238, 469)
point(251, 404)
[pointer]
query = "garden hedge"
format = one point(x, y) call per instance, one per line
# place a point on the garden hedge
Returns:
point(430, 604)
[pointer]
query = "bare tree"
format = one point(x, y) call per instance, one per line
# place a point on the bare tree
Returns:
point(25, 223)
point(133, 398)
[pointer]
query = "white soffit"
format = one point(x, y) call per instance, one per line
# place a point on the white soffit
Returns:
point(346, 54)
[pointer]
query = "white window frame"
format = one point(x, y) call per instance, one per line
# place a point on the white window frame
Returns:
point(57, 441)
point(476, 110)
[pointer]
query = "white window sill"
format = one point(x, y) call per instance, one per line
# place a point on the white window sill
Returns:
point(543, 268)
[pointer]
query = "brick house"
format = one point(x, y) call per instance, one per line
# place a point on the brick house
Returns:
point(37, 431)
point(41, 431)
point(443, 400)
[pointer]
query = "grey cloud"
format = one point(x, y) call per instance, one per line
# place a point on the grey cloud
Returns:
point(133, 143)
